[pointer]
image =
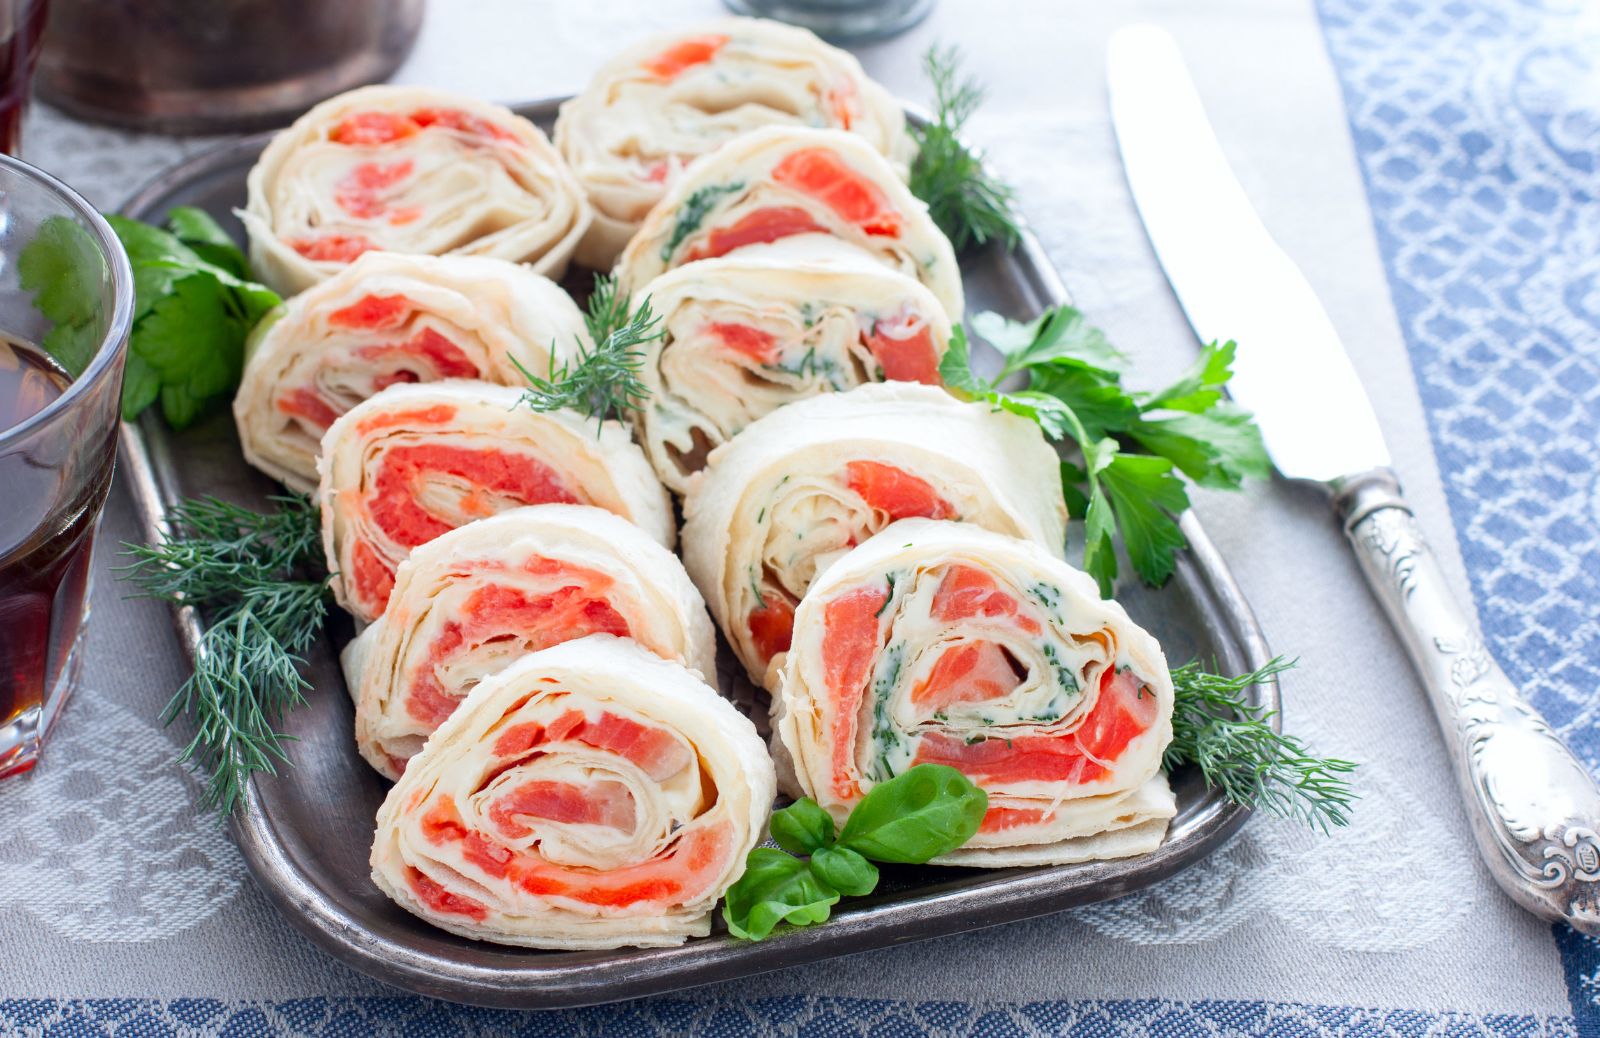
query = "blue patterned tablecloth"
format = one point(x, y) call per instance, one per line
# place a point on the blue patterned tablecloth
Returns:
point(1433, 165)
point(1477, 125)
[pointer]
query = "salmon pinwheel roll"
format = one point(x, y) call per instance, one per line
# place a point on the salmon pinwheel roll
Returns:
point(387, 319)
point(676, 96)
point(942, 643)
point(747, 333)
point(473, 600)
point(418, 461)
point(590, 795)
point(407, 169)
point(785, 181)
point(797, 489)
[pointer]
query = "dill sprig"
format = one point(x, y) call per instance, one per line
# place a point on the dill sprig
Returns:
point(604, 379)
point(1234, 745)
point(607, 309)
point(254, 578)
point(968, 204)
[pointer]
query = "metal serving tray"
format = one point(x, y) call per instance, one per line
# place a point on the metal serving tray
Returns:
point(305, 834)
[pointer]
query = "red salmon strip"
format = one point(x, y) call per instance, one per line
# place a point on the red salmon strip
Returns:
point(852, 640)
point(910, 359)
point(756, 228)
point(682, 872)
point(696, 50)
point(823, 175)
point(895, 491)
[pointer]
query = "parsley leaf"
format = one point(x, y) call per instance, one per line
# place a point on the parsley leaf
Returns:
point(1145, 494)
point(194, 305)
point(64, 270)
point(1136, 448)
point(183, 349)
point(195, 346)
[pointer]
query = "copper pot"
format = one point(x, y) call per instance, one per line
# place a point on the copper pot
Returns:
point(199, 66)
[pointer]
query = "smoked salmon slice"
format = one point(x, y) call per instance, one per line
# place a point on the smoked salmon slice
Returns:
point(589, 775)
point(419, 460)
point(822, 174)
point(783, 182)
point(909, 357)
point(756, 228)
point(486, 593)
point(411, 171)
point(917, 647)
point(696, 50)
point(895, 491)
point(677, 96)
point(785, 499)
point(346, 340)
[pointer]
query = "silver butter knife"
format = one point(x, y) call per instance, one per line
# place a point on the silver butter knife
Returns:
point(1534, 807)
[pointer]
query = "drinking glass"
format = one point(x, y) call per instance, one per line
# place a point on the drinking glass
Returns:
point(203, 66)
point(56, 455)
point(21, 25)
point(841, 21)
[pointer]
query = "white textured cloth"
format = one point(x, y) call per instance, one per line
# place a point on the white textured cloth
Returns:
point(1394, 913)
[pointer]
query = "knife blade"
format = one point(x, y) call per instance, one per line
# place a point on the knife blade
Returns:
point(1534, 808)
point(1232, 279)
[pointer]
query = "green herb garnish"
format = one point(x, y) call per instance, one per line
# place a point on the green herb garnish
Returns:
point(604, 380)
point(693, 212)
point(1237, 751)
point(928, 810)
point(252, 578)
point(1136, 448)
point(607, 309)
point(968, 204)
point(194, 306)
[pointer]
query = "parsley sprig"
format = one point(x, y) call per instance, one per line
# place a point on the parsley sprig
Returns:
point(967, 203)
point(194, 306)
point(254, 579)
point(1237, 750)
point(1135, 448)
point(604, 379)
point(925, 811)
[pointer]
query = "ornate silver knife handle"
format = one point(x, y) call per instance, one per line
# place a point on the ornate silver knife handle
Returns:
point(1534, 807)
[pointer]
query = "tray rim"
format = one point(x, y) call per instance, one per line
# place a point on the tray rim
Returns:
point(1009, 895)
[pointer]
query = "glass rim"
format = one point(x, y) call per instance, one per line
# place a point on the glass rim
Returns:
point(120, 323)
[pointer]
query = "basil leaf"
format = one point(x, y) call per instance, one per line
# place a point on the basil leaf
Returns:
point(928, 810)
point(775, 888)
point(845, 870)
point(802, 827)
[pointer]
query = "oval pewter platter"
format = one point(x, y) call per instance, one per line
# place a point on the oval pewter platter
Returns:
point(305, 834)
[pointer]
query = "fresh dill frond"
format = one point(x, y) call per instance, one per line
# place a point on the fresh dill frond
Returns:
point(217, 548)
point(255, 579)
point(607, 309)
point(604, 379)
point(968, 204)
point(1238, 752)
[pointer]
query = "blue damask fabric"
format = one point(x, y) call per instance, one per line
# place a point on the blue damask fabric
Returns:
point(1477, 123)
point(789, 1017)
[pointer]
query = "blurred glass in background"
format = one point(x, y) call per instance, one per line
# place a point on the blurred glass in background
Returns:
point(199, 66)
point(841, 21)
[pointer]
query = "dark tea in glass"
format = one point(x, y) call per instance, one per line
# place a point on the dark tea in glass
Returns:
point(21, 27)
point(58, 440)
